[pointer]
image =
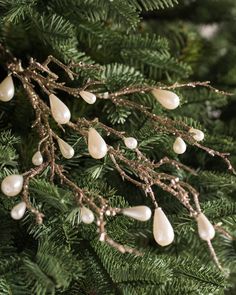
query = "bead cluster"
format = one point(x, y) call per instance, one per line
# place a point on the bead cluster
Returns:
point(163, 231)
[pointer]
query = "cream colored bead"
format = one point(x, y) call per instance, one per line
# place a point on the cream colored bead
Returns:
point(106, 95)
point(37, 158)
point(166, 98)
point(179, 146)
point(206, 230)
point(60, 112)
point(86, 215)
point(130, 142)
point(197, 134)
point(12, 185)
point(162, 229)
point(7, 89)
point(89, 97)
point(96, 144)
point(67, 150)
point(141, 213)
point(18, 211)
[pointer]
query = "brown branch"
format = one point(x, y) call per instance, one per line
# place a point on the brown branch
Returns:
point(205, 84)
point(25, 193)
point(146, 171)
point(213, 254)
point(224, 232)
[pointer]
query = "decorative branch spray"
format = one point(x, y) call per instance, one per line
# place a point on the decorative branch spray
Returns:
point(147, 171)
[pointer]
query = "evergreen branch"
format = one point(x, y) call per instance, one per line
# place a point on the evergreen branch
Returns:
point(153, 4)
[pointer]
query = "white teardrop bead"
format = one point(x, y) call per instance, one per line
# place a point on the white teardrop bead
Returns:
point(60, 112)
point(162, 229)
point(142, 213)
point(86, 215)
point(206, 230)
point(18, 211)
point(130, 142)
point(179, 146)
point(12, 185)
point(167, 99)
point(89, 97)
point(197, 134)
point(96, 144)
point(37, 158)
point(67, 151)
point(7, 89)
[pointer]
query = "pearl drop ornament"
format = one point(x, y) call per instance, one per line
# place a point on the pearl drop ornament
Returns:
point(166, 98)
point(197, 134)
point(179, 146)
point(18, 211)
point(37, 158)
point(60, 112)
point(96, 144)
point(67, 150)
point(141, 213)
point(162, 229)
point(86, 215)
point(206, 230)
point(12, 185)
point(7, 89)
point(131, 142)
point(89, 97)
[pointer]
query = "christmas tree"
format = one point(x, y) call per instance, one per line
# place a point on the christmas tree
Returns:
point(117, 154)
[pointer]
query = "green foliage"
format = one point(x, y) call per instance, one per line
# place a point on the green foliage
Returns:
point(8, 154)
point(16, 11)
point(53, 28)
point(133, 43)
point(151, 5)
point(53, 268)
